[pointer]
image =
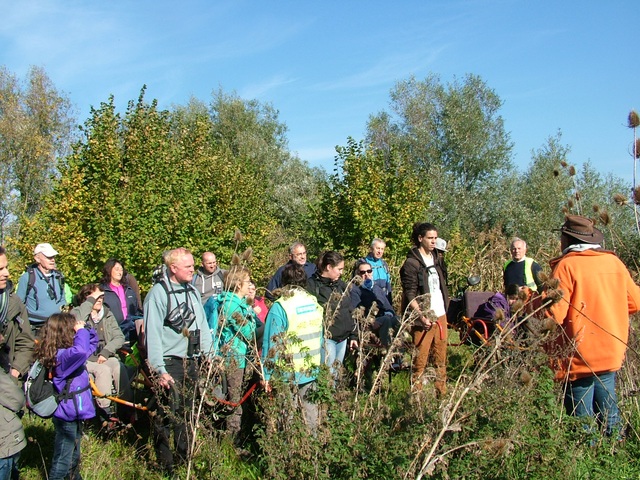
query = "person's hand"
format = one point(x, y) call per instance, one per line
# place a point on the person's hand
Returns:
point(165, 380)
point(426, 322)
point(97, 294)
point(267, 386)
point(79, 325)
point(353, 344)
point(101, 359)
point(15, 373)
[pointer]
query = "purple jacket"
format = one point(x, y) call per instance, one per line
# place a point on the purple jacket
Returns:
point(489, 309)
point(71, 363)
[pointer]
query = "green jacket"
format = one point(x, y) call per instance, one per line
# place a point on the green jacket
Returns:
point(12, 438)
point(237, 322)
point(111, 338)
point(17, 335)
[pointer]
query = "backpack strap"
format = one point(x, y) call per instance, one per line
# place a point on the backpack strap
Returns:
point(386, 266)
point(31, 284)
point(66, 394)
point(186, 288)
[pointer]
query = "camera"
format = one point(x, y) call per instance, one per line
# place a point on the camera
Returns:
point(194, 343)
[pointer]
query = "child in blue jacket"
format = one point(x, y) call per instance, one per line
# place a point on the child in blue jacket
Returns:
point(64, 347)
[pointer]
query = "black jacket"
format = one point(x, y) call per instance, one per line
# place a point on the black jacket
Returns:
point(337, 308)
point(414, 277)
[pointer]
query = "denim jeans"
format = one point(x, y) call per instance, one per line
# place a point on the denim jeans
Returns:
point(594, 396)
point(334, 354)
point(66, 450)
point(9, 467)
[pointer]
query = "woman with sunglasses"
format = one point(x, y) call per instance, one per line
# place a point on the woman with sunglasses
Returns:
point(370, 293)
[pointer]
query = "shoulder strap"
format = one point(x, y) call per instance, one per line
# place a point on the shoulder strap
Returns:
point(163, 282)
point(31, 285)
point(61, 278)
point(385, 265)
point(187, 288)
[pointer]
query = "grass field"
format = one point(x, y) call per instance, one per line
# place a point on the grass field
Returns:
point(502, 418)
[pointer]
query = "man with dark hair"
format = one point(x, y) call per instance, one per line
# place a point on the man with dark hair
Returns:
point(598, 295)
point(297, 255)
point(294, 330)
point(424, 272)
point(16, 339)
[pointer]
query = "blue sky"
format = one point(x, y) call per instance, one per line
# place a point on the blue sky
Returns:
point(327, 66)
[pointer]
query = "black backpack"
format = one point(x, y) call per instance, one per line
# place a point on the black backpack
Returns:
point(42, 398)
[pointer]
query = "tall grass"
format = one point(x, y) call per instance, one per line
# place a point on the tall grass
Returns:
point(502, 418)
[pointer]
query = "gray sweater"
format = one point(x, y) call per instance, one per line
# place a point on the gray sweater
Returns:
point(161, 340)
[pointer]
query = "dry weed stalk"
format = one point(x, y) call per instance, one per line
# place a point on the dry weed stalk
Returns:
point(635, 153)
point(488, 363)
point(393, 351)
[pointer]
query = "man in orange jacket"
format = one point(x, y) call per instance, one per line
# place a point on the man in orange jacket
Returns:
point(598, 296)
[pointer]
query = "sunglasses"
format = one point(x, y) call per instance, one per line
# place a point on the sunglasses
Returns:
point(361, 272)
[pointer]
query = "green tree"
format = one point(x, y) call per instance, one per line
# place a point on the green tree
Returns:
point(251, 132)
point(36, 123)
point(148, 181)
point(455, 136)
point(370, 194)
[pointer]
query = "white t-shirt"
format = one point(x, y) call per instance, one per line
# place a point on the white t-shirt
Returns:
point(437, 300)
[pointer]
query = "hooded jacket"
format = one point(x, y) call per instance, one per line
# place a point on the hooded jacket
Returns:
point(17, 334)
point(208, 284)
point(237, 322)
point(598, 296)
point(70, 363)
point(110, 337)
point(337, 308)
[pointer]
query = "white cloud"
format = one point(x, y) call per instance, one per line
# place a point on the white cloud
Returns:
point(386, 70)
point(258, 90)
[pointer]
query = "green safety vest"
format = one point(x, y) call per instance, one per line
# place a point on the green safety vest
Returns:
point(305, 317)
point(528, 273)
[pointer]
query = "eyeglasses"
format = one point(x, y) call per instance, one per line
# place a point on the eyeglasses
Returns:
point(362, 272)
